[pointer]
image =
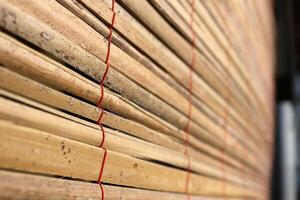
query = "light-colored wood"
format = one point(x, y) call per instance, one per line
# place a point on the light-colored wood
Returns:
point(226, 6)
point(253, 143)
point(229, 60)
point(163, 30)
point(152, 103)
point(188, 105)
point(215, 35)
point(218, 14)
point(22, 186)
point(36, 68)
point(201, 162)
point(48, 96)
point(138, 35)
point(140, 73)
point(30, 150)
point(240, 43)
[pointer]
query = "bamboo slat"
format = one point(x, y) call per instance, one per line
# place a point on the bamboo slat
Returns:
point(22, 186)
point(31, 150)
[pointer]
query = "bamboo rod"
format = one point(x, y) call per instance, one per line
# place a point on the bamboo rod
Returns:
point(201, 163)
point(241, 134)
point(234, 6)
point(34, 151)
point(159, 26)
point(133, 34)
point(78, 9)
point(226, 47)
point(16, 185)
point(75, 85)
point(55, 112)
point(236, 42)
point(152, 106)
point(169, 99)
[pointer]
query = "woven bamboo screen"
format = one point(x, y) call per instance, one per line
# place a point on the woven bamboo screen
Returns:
point(136, 99)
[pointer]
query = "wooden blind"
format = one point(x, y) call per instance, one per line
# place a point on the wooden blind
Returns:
point(136, 99)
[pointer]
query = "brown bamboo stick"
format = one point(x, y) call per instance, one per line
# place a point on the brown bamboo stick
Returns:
point(79, 10)
point(236, 130)
point(208, 35)
point(84, 14)
point(159, 26)
point(253, 132)
point(235, 31)
point(34, 151)
point(112, 81)
point(247, 35)
point(74, 84)
point(236, 42)
point(201, 163)
point(21, 186)
point(222, 10)
point(52, 57)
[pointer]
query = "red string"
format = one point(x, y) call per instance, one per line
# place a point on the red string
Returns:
point(100, 102)
point(190, 87)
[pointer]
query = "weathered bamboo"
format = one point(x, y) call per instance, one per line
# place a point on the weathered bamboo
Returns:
point(34, 122)
point(164, 31)
point(225, 24)
point(254, 131)
point(152, 102)
point(125, 46)
point(243, 135)
point(34, 151)
point(36, 68)
point(242, 42)
point(201, 163)
point(237, 44)
point(6, 83)
point(188, 105)
point(22, 186)
point(135, 31)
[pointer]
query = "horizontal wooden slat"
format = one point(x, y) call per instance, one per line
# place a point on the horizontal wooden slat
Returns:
point(30, 150)
point(22, 187)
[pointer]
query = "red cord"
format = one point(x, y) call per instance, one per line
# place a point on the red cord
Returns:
point(190, 87)
point(100, 102)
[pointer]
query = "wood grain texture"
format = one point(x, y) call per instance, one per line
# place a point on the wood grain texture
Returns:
point(21, 186)
point(188, 105)
point(27, 149)
point(154, 104)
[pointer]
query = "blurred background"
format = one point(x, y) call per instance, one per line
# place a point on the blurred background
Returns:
point(286, 173)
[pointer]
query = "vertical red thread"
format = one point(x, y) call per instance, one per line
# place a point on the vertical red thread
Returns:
point(100, 102)
point(190, 87)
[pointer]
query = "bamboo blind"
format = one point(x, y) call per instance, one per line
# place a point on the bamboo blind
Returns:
point(136, 99)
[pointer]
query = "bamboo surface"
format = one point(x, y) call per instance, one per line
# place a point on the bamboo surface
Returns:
point(187, 110)
point(39, 187)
